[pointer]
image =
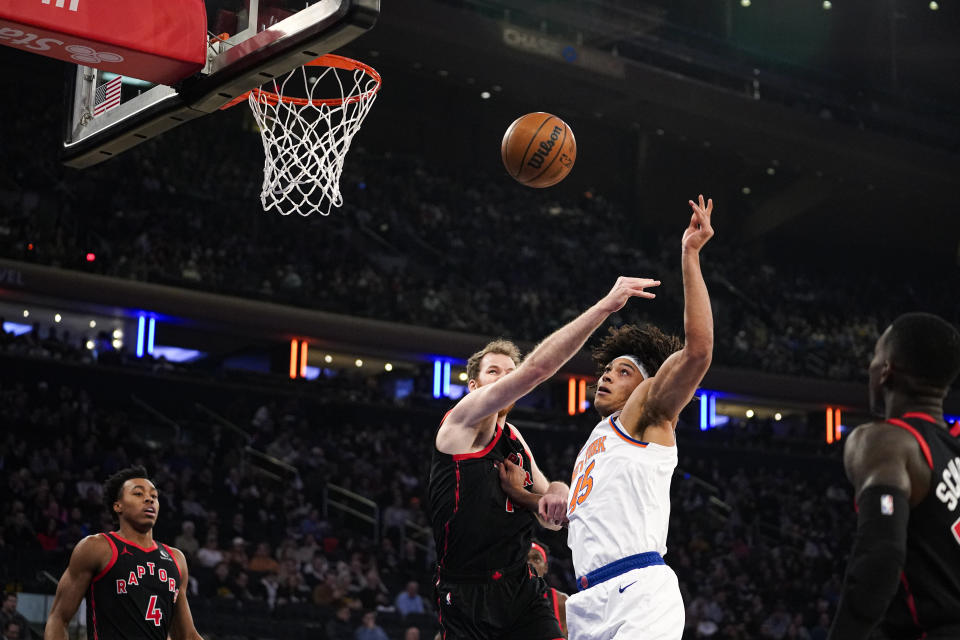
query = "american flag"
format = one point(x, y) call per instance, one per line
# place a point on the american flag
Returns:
point(107, 96)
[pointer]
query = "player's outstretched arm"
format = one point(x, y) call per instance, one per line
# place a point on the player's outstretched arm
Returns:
point(547, 358)
point(182, 627)
point(89, 557)
point(678, 378)
point(877, 458)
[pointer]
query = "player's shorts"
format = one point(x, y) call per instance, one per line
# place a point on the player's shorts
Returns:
point(508, 605)
point(639, 604)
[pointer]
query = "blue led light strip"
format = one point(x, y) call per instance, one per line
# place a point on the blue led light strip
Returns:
point(437, 379)
point(140, 323)
point(151, 330)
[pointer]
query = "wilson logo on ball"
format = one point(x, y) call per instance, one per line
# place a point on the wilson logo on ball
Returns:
point(546, 146)
point(538, 150)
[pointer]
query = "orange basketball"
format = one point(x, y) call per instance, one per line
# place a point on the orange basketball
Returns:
point(538, 150)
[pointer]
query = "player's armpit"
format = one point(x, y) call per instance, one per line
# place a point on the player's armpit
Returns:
point(669, 391)
point(89, 557)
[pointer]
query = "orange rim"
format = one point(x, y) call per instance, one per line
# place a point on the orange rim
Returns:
point(329, 60)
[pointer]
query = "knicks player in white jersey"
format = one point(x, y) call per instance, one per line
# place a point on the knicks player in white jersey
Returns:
point(619, 501)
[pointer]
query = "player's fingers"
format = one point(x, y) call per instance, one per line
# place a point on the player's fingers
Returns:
point(642, 282)
point(560, 510)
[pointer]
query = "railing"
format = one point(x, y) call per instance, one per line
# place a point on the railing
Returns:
point(417, 534)
point(159, 417)
point(363, 509)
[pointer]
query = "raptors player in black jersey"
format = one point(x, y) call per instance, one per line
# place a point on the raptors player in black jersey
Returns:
point(904, 570)
point(485, 589)
point(557, 599)
point(135, 586)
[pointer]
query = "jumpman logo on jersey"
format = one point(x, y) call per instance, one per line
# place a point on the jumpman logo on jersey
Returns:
point(126, 551)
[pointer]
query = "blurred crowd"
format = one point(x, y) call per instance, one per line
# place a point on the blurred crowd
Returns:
point(758, 552)
point(435, 246)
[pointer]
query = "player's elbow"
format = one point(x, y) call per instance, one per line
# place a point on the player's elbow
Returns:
point(698, 355)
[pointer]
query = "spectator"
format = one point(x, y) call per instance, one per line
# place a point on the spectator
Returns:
point(186, 541)
point(262, 561)
point(270, 585)
point(412, 633)
point(12, 631)
point(210, 556)
point(9, 615)
point(368, 629)
point(340, 627)
point(409, 600)
point(237, 556)
point(49, 538)
point(220, 586)
point(241, 587)
point(374, 593)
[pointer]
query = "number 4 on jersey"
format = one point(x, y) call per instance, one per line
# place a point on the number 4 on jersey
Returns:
point(154, 614)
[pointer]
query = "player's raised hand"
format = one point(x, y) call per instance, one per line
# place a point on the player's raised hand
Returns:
point(700, 230)
point(626, 288)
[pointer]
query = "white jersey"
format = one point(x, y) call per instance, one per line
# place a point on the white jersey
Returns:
point(619, 501)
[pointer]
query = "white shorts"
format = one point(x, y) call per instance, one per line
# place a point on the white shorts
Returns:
point(642, 604)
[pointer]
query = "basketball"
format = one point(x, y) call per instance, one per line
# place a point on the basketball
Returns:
point(538, 150)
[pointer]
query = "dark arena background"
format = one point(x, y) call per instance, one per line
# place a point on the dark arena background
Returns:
point(281, 378)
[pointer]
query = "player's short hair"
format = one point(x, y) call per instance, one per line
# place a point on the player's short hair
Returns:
point(501, 346)
point(114, 485)
point(925, 347)
point(647, 343)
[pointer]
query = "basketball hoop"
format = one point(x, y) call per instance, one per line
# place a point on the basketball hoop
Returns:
point(305, 139)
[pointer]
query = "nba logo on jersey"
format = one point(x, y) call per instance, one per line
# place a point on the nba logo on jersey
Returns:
point(886, 504)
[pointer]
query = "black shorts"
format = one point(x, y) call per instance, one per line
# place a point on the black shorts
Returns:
point(511, 607)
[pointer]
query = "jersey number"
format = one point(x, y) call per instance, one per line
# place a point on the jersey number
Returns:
point(584, 487)
point(154, 614)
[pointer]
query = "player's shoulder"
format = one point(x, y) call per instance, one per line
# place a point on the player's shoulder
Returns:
point(92, 552)
point(880, 433)
point(178, 555)
point(880, 443)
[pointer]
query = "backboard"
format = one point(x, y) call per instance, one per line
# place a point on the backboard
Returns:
point(249, 42)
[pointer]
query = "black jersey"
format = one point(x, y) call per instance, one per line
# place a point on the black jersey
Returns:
point(929, 593)
point(134, 596)
point(476, 528)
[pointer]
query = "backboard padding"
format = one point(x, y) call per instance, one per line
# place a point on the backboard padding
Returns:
point(233, 68)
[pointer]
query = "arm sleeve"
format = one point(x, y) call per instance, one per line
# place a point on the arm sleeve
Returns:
point(873, 572)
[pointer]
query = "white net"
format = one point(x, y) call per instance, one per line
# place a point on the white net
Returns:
point(306, 139)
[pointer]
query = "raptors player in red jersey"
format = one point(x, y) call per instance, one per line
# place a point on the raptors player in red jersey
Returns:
point(135, 587)
point(557, 599)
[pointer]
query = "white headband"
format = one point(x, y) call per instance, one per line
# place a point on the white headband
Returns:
point(636, 362)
